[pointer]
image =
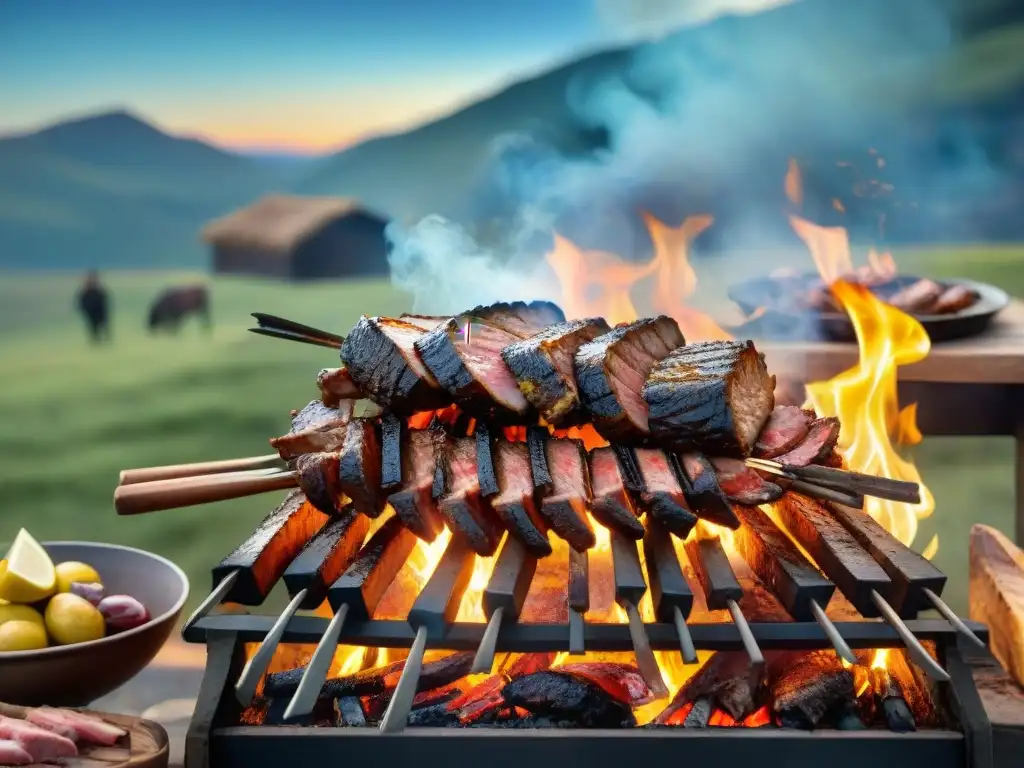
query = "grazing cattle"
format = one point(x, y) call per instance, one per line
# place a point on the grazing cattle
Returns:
point(94, 304)
point(174, 305)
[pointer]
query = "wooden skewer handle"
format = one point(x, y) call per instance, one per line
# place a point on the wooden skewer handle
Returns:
point(173, 471)
point(139, 498)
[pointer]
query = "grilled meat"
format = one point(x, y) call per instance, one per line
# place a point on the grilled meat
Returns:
point(317, 476)
point(663, 497)
point(359, 469)
point(821, 439)
point(518, 317)
point(543, 368)
point(466, 361)
point(414, 502)
point(702, 490)
point(379, 354)
point(715, 396)
point(391, 428)
point(426, 322)
point(918, 298)
point(485, 471)
point(611, 372)
point(464, 509)
point(565, 508)
point(786, 427)
point(613, 505)
point(315, 428)
point(514, 504)
point(742, 484)
point(956, 298)
point(336, 385)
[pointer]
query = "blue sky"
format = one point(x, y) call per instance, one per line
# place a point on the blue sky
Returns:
point(276, 73)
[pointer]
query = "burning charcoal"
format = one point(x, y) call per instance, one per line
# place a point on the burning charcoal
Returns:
point(816, 447)
point(373, 682)
point(699, 714)
point(469, 516)
point(806, 685)
point(786, 428)
point(360, 468)
point(728, 679)
point(317, 476)
point(702, 490)
point(713, 395)
point(612, 370)
point(414, 502)
point(272, 712)
point(515, 504)
point(897, 714)
point(465, 358)
point(847, 718)
point(956, 298)
point(349, 711)
point(742, 485)
point(434, 716)
point(566, 697)
point(518, 317)
point(380, 355)
point(662, 496)
point(315, 428)
point(613, 505)
point(543, 368)
point(565, 508)
point(918, 298)
point(623, 682)
point(336, 385)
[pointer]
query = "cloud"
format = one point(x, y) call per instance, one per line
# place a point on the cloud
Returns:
point(651, 18)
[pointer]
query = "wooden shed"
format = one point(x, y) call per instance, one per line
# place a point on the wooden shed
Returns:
point(299, 238)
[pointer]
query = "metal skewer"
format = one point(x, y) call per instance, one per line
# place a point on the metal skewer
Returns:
point(252, 673)
point(504, 596)
point(917, 652)
point(746, 636)
point(630, 588)
point(670, 594)
point(579, 600)
point(952, 618)
point(214, 598)
point(841, 646)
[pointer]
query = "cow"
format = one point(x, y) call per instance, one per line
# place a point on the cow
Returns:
point(94, 304)
point(174, 305)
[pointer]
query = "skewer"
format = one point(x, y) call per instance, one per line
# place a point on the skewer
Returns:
point(670, 594)
point(307, 579)
point(948, 614)
point(158, 495)
point(436, 606)
point(174, 471)
point(791, 482)
point(774, 559)
point(247, 575)
point(856, 483)
point(721, 588)
point(630, 588)
point(917, 652)
point(357, 593)
point(289, 336)
point(579, 599)
point(272, 325)
point(504, 596)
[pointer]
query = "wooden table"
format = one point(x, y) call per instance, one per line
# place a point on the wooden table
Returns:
point(969, 387)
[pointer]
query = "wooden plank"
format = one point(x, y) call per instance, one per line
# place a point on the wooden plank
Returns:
point(908, 571)
point(852, 569)
point(714, 572)
point(364, 583)
point(996, 595)
point(510, 580)
point(438, 602)
point(669, 589)
point(1003, 702)
point(325, 558)
point(778, 563)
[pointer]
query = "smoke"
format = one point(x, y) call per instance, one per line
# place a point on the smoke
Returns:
point(700, 121)
point(652, 18)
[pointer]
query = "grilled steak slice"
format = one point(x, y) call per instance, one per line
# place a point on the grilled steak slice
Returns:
point(565, 508)
point(359, 467)
point(315, 428)
point(379, 354)
point(536, 439)
point(391, 428)
point(611, 372)
point(485, 470)
point(786, 427)
point(414, 502)
point(335, 385)
point(518, 317)
point(742, 484)
point(613, 506)
point(543, 368)
point(918, 298)
point(426, 322)
point(704, 493)
point(317, 476)
point(714, 396)
point(956, 298)
point(466, 512)
point(466, 361)
point(821, 439)
point(515, 504)
point(663, 497)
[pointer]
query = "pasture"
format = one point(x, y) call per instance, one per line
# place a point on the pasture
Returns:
point(72, 415)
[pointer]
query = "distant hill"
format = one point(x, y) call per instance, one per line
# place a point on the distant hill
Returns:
point(819, 79)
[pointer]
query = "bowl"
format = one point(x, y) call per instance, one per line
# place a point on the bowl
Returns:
point(75, 675)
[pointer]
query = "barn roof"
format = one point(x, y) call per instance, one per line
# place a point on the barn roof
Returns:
point(279, 222)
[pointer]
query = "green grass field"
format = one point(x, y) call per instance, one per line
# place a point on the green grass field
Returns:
point(72, 416)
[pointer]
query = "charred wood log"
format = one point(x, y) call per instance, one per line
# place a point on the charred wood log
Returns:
point(566, 697)
point(997, 595)
point(805, 685)
point(895, 710)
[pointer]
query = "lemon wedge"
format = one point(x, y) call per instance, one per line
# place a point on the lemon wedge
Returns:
point(27, 574)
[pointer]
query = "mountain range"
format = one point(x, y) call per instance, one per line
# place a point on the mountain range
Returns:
point(112, 190)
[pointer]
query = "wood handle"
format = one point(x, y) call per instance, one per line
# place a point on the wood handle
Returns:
point(172, 471)
point(139, 498)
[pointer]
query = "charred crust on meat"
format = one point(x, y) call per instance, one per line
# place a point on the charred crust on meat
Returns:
point(360, 467)
point(317, 476)
point(516, 503)
point(485, 461)
point(413, 502)
point(391, 452)
point(701, 489)
point(536, 437)
point(613, 505)
point(518, 317)
point(468, 515)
